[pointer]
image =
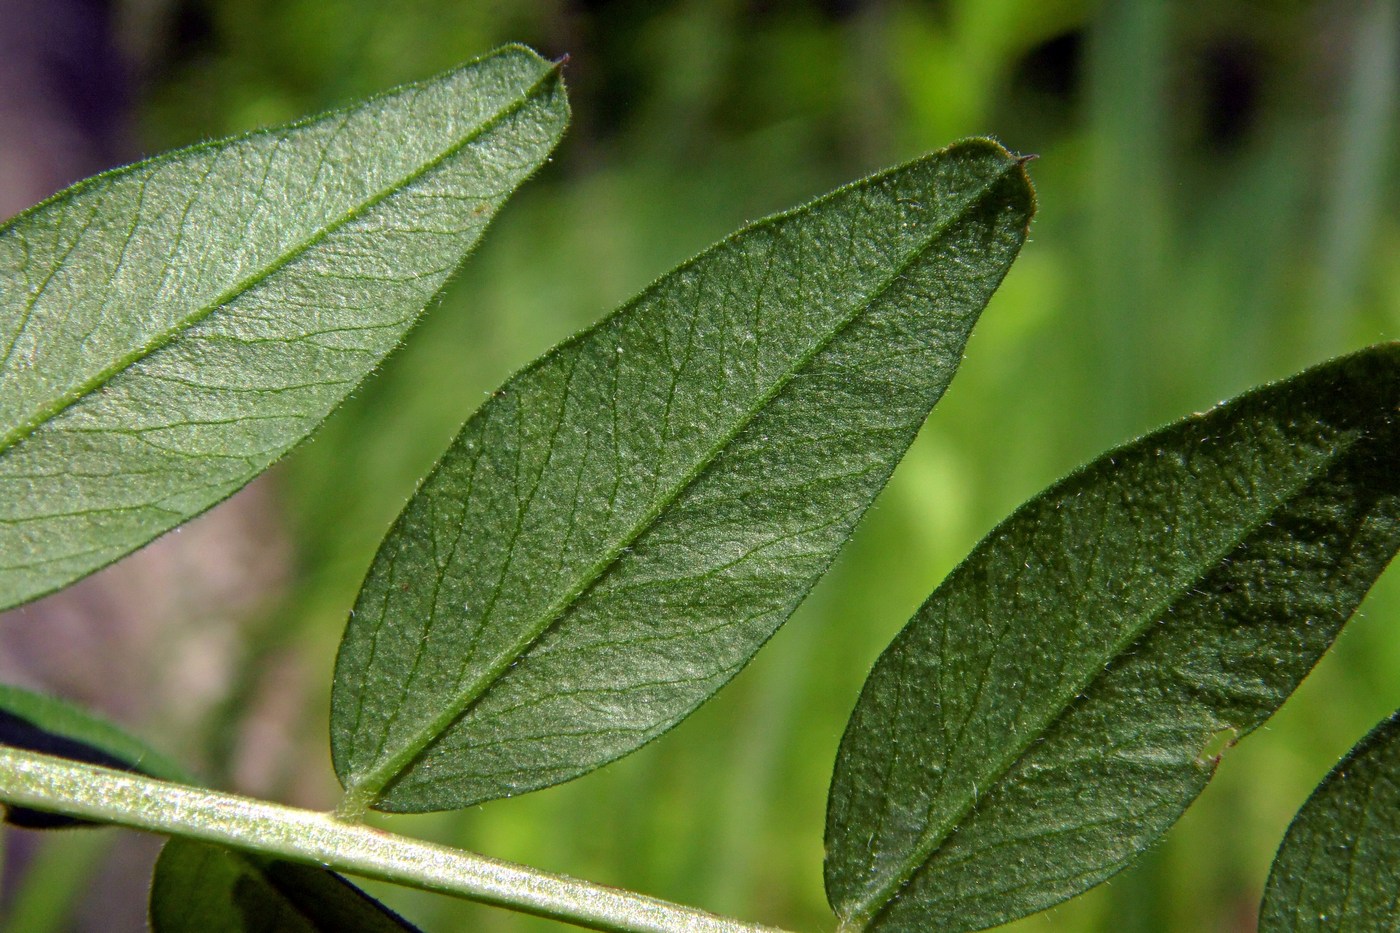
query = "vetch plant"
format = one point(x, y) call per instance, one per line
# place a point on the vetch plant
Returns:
point(624, 523)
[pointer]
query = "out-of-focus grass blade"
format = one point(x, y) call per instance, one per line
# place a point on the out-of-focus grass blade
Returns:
point(169, 329)
point(201, 888)
point(1339, 865)
point(617, 531)
point(1066, 692)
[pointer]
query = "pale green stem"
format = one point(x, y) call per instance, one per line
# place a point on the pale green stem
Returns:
point(63, 786)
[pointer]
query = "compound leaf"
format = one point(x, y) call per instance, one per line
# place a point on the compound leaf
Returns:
point(203, 888)
point(1339, 865)
point(615, 533)
point(169, 329)
point(1061, 698)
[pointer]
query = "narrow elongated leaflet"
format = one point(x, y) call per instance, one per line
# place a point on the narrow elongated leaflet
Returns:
point(241, 892)
point(1339, 865)
point(1051, 709)
point(617, 531)
point(203, 888)
point(169, 329)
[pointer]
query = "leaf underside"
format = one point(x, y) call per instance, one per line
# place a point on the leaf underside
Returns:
point(617, 531)
point(169, 329)
point(1050, 710)
point(1339, 865)
point(202, 888)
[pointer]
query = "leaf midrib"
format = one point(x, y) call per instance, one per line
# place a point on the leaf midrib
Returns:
point(368, 789)
point(866, 910)
point(102, 377)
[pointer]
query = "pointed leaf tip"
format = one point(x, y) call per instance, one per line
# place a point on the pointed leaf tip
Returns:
point(169, 329)
point(616, 532)
point(1060, 698)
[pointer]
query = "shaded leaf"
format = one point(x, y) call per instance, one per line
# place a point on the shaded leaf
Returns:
point(1339, 865)
point(202, 888)
point(1056, 703)
point(169, 329)
point(46, 724)
point(615, 533)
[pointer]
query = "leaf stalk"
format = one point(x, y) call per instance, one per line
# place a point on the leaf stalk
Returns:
point(140, 802)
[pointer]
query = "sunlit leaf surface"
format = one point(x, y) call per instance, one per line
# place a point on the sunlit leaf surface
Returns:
point(1066, 692)
point(169, 329)
point(617, 531)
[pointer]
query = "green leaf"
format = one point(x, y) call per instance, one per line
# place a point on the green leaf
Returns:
point(46, 724)
point(202, 888)
point(1339, 865)
point(615, 533)
point(60, 718)
point(1063, 695)
point(169, 329)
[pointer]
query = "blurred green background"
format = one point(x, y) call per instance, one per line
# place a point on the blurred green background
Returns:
point(1218, 195)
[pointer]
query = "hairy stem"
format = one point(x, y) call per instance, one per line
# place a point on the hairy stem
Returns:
point(140, 802)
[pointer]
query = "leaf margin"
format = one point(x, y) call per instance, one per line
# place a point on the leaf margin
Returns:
point(1386, 356)
point(548, 90)
point(1375, 758)
point(358, 798)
